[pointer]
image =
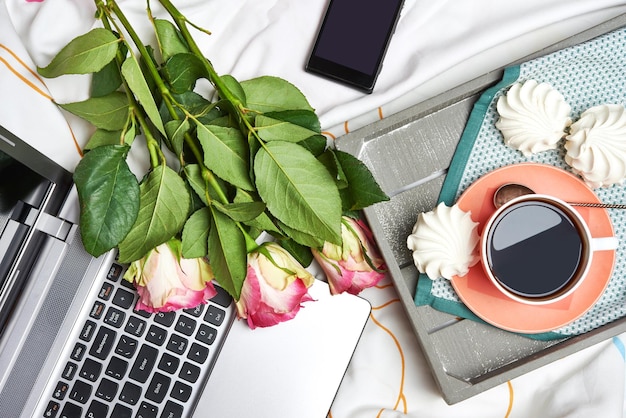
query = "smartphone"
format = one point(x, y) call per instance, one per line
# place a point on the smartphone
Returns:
point(352, 41)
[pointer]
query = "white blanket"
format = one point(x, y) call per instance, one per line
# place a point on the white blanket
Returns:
point(437, 45)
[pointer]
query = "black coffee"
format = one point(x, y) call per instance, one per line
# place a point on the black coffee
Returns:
point(534, 249)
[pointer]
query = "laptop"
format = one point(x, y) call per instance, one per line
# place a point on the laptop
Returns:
point(72, 345)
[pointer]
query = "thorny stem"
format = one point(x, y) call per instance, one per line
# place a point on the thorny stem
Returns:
point(153, 144)
point(156, 155)
point(214, 78)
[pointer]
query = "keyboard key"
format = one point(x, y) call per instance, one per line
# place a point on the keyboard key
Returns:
point(197, 311)
point(177, 344)
point(165, 318)
point(168, 363)
point(121, 411)
point(80, 392)
point(91, 370)
point(60, 390)
point(143, 363)
point(115, 272)
point(181, 392)
point(106, 291)
point(116, 368)
point(189, 372)
point(71, 410)
point(156, 335)
point(114, 317)
point(107, 390)
point(51, 410)
point(141, 313)
point(78, 352)
point(198, 353)
point(97, 310)
point(147, 410)
point(88, 330)
point(135, 326)
point(123, 298)
point(222, 297)
point(97, 410)
point(214, 315)
point(130, 394)
point(103, 343)
point(185, 325)
point(206, 334)
point(157, 390)
point(69, 371)
point(172, 410)
point(126, 346)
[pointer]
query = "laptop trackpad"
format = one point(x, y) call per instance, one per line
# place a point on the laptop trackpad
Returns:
point(292, 369)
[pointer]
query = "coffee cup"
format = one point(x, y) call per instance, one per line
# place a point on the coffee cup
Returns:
point(537, 249)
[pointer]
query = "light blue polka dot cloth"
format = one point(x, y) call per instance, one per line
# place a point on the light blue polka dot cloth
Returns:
point(589, 74)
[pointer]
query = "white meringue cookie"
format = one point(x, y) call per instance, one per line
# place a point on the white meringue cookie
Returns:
point(596, 145)
point(533, 117)
point(444, 242)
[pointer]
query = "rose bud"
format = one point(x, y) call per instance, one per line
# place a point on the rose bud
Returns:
point(166, 281)
point(356, 264)
point(275, 287)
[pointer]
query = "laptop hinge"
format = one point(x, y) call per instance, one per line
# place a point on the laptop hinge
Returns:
point(53, 226)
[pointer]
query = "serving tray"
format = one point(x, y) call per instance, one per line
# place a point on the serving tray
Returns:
point(409, 154)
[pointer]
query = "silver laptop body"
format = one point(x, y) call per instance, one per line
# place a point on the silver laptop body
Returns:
point(70, 343)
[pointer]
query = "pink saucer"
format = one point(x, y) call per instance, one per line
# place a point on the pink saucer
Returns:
point(482, 297)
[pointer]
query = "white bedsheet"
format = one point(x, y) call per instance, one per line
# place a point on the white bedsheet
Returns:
point(437, 45)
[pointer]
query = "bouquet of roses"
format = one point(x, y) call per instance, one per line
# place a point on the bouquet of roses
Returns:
point(249, 164)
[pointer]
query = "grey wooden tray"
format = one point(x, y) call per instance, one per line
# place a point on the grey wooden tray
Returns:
point(409, 153)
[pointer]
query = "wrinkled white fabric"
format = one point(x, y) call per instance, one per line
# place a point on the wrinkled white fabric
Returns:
point(437, 45)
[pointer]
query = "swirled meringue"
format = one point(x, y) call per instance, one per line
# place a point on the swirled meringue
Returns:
point(533, 117)
point(444, 242)
point(596, 145)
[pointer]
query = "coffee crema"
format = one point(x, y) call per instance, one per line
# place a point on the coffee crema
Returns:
point(534, 249)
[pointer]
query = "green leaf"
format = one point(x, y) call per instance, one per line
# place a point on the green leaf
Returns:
point(106, 81)
point(261, 222)
point(226, 154)
point(101, 137)
point(273, 94)
point(315, 144)
point(109, 198)
point(235, 88)
point(241, 212)
point(330, 161)
point(176, 130)
point(196, 234)
point(301, 253)
point(164, 206)
point(362, 190)
point(300, 237)
point(170, 40)
point(196, 181)
point(182, 71)
point(271, 129)
point(227, 253)
point(131, 71)
point(199, 185)
point(198, 106)
point(84, 54)
point(298, 190)
point(109, 112)
point(304, 118)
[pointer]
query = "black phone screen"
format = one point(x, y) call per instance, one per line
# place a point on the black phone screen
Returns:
point(353, 39)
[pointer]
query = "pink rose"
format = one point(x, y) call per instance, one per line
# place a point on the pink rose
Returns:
point(356, 264)
point(166, 281)
point(275, 287)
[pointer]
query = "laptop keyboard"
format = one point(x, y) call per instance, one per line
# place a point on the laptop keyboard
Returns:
point(127, 363)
